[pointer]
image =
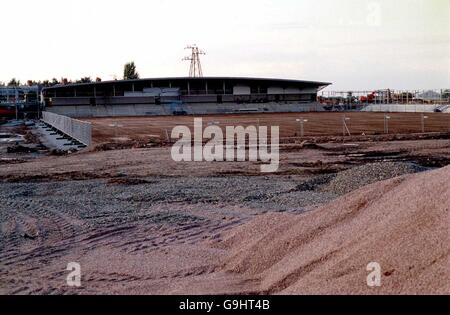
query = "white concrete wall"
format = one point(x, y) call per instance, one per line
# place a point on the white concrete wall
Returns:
point(189, 108)
point(77, 129)
point(403, 108)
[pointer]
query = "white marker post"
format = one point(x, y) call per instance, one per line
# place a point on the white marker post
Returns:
point(386, 123)
point(345, 129)
point(423, 122)
point(116, 125)
point(302, 122)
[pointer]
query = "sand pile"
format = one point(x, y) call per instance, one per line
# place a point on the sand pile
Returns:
point(402, 224)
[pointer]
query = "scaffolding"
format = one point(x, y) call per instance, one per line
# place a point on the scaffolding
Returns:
point(356, 100)
point(22, 99)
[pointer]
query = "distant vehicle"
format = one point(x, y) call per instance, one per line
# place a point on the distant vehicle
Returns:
point(379, 97)
point(7, 110)
point(176, 107)
point(180, 113)
point(442, 108)
point(370, 98)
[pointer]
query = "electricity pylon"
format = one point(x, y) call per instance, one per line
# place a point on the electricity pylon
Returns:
point(196, 67)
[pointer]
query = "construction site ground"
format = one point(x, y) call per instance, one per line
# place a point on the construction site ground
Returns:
point(317, 124)
point(140, 223)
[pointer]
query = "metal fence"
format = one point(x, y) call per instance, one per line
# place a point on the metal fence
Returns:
point(76, 129)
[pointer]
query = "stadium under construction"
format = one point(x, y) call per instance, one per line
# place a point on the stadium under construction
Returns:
point(182, 96)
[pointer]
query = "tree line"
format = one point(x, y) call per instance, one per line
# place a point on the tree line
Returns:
point(129, 73)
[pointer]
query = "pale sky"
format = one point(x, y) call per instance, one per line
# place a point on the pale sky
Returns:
point(355, 44)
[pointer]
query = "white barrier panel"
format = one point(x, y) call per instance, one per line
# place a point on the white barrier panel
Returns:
point(77, 129)
point(406, 108)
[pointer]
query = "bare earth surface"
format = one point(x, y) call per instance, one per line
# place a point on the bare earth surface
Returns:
point(318, 124)
point(139, 223)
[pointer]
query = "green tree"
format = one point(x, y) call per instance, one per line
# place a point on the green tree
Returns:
point(84, 80)
point(14, 82)
point(33, 82)
point(129, 71)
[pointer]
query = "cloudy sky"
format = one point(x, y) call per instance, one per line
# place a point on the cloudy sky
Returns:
point(356, 44)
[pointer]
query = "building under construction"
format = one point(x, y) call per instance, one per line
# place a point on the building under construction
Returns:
point(182, 96)
point(19, 101)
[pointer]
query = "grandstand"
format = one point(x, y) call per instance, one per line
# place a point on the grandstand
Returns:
point(182, 96)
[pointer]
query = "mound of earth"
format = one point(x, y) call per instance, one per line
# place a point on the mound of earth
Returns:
point(402, 224)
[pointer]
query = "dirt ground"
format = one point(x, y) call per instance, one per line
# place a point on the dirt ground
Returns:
point(318, 124)
point(295, 160)
point(139, 223)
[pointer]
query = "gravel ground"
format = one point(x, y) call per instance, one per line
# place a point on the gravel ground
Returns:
point(138, 222)
point(364, 175)
point(359, 176)
point(43, 223)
